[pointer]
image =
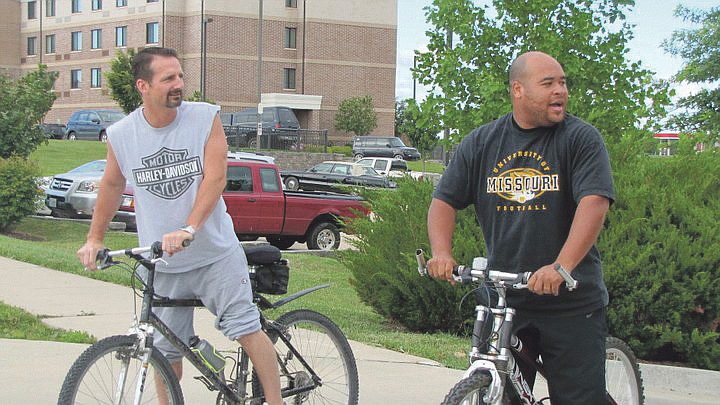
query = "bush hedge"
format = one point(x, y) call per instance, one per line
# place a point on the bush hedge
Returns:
point(18, 190)
point(660, 253)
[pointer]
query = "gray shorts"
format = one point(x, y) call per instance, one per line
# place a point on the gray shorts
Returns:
point(224, 288)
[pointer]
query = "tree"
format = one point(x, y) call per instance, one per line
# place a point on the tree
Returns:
point(23, 104)
point(356, 114)
point(701, 50)
point(121, 82)
point(196, 96)
point(420, 125)
point(469, 80)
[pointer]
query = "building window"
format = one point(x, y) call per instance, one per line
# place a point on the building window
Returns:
point(76, 43)
point(49, 8)
point(32, 46)
point(121, 3)
point(290, 37)
point(152, 1)
point(121, 36)
point(152, 34)
point(75, 78)
point(95, 78)
point(50, 43)
point(289, 78)
point(76, 6)
point(291, 3)
point(31, 10)
point(96, 5)
point(96, 39)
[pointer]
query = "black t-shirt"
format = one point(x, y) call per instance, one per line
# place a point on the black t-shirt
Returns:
point(525, 185)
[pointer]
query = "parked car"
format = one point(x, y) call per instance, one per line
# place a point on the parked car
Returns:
point(280, 126)
point(259, 207)
point(390, 167)
point(383, 146)
point(53, 131)
point(91, 124)
point(126, 211)
point(74, 194)
point(326, 176)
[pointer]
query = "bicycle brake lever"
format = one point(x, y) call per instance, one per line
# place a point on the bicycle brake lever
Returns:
point(159, 260)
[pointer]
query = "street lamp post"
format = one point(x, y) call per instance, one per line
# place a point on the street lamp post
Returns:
point(258, 134)
point(203, 56)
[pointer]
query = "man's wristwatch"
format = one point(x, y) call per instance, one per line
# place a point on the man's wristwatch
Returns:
point(189, 229)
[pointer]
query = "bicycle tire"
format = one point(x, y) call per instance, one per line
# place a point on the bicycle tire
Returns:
point(470, 391)
point(326, 349)
point(622, 373)
point(93, 376)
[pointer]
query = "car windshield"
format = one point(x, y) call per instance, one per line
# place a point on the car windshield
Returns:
point(94, 166)
point(396, 143)
point(369, 171)
point(112, 116)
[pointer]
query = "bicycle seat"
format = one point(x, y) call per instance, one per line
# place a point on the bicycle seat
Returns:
point(262, 254)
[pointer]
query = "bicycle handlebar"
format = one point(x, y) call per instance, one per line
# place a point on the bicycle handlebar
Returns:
point(104, 256)
point(469, 274)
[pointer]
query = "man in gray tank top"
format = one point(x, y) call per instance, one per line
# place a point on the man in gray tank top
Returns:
point(174, 155)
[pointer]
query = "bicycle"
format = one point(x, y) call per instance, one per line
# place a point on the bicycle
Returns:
point(496, 350)
point(315, 360)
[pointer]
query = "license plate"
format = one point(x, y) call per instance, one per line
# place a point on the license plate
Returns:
point(52, 203)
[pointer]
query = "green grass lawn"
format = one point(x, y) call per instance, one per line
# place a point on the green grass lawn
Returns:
point(59, 156)
point(60, 240)
point(430, 167)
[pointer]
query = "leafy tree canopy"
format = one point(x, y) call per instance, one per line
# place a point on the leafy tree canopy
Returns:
point(700, 48)
point(419, 125)
point(23, 104)
point(357, 115)
point(121, 83)
point(469, 81)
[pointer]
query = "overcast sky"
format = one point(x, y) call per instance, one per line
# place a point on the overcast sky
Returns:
point(654, 22)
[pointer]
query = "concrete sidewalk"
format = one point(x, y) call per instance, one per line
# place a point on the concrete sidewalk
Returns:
point(32, 372)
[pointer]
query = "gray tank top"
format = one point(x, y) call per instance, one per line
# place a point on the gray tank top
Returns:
point(165, 168)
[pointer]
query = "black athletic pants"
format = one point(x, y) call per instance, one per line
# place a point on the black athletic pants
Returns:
point(573, 354)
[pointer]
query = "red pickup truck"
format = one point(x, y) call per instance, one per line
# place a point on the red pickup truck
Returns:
point(259, 207)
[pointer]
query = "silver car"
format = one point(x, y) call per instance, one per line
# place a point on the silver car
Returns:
point(73, 194)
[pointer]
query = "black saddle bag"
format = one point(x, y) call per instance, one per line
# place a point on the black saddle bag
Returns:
point(269, 273)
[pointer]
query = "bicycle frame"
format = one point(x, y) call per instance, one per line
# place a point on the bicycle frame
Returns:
point(149, 323)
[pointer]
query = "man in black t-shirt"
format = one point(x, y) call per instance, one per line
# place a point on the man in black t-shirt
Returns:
point(541, 184)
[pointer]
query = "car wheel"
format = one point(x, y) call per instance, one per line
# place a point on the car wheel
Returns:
point(71, 136)
point(252, 143)
point(399, 157)
point(103, 136)
point(358, 156)
point(292, 183)
point(324, 236)
point(280, 242)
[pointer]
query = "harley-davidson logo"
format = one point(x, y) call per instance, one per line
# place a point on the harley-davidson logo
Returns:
point(168, 173)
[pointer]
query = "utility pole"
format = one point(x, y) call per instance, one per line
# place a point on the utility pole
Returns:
point(259, 75)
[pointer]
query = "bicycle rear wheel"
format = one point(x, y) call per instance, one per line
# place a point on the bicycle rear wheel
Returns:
point(109, 370)
point(324, 347)
point(622, 373)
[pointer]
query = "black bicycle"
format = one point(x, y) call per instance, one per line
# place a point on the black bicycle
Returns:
point(317, 365)
point(494, 376)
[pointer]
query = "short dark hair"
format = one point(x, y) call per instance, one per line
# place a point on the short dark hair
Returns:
point(141, 61)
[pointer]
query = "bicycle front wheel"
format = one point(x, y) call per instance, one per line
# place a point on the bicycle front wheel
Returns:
point(470, 391)
point(324, 347)
point(109, 371)
point(622, 373)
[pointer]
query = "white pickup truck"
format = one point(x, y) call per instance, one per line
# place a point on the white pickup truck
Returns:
point(395, 168)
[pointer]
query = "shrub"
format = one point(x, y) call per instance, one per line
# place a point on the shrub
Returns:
point(384, 267)
point(661, 258)
point(18, 190)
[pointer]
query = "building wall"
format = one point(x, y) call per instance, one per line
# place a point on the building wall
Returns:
point(349, 50)
point(10, 45)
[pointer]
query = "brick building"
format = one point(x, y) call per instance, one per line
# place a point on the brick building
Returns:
point(315, 53)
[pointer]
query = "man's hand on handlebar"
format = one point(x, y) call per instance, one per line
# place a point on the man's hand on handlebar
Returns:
point(545, 281)
point(88, 254)
point(175, 241)
point(441, 267)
